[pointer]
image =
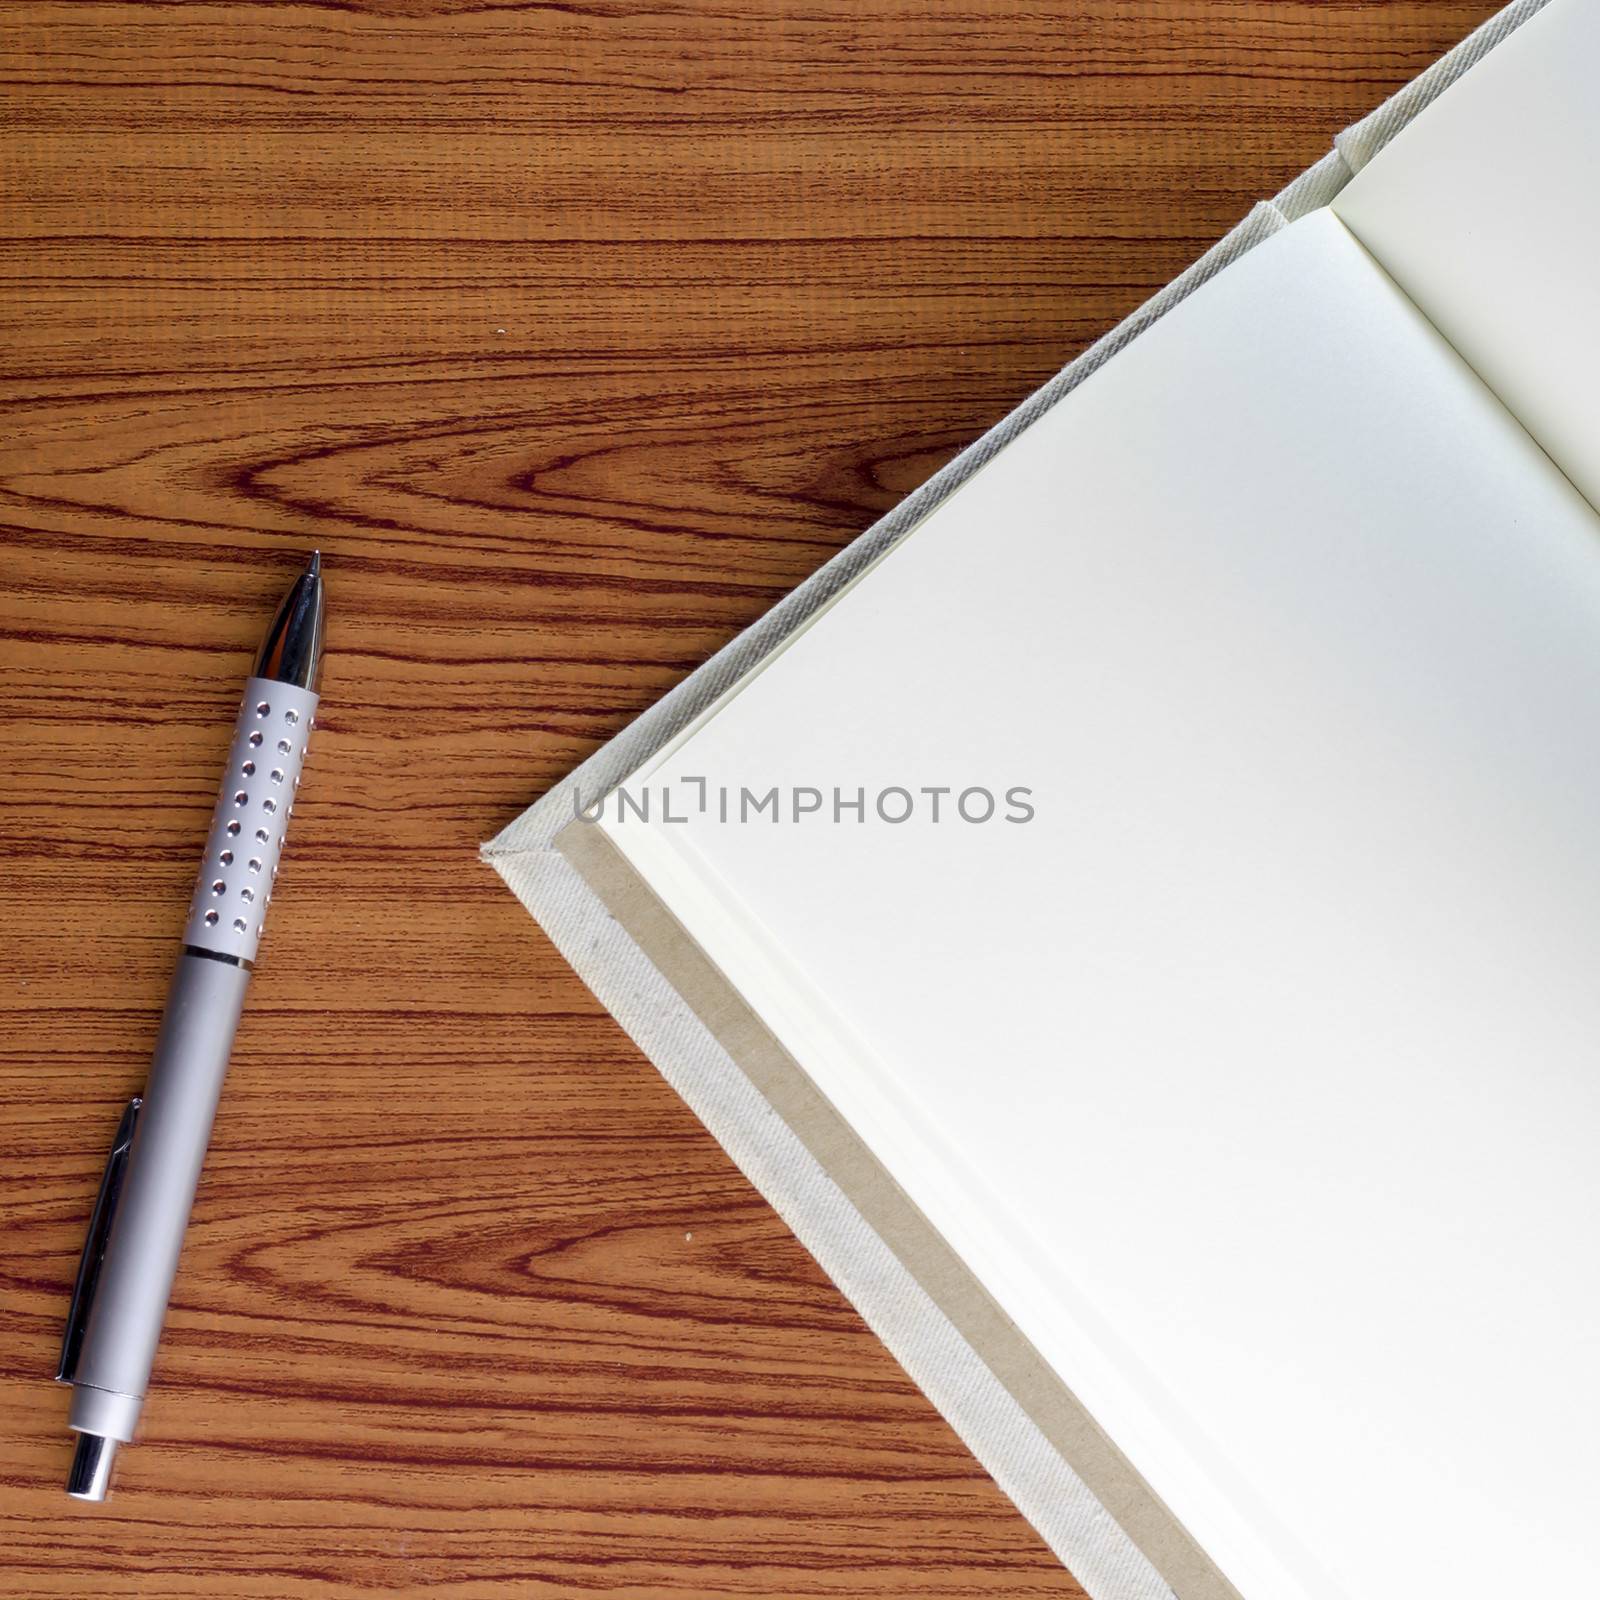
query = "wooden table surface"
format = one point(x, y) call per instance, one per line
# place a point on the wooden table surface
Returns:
point(575, 335)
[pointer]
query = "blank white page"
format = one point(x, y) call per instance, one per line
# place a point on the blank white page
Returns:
point(1487, 211)
point(1256, 1075)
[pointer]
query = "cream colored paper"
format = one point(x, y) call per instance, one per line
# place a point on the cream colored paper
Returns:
point(1487, 212)
point(1257, 989)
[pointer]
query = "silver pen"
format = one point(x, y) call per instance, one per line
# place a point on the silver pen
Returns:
point(136, 1230)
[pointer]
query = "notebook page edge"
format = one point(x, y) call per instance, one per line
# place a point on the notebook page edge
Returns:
point(953, 1286)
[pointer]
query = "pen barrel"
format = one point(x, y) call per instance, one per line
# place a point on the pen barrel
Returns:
point(169, 1147)
point(251, 818)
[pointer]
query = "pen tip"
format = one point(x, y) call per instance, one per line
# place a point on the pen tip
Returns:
point(293, 645)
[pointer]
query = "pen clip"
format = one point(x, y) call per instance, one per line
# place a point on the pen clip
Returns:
point(94, 1246)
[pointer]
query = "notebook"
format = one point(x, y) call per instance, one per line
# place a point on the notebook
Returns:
point(1159, 890)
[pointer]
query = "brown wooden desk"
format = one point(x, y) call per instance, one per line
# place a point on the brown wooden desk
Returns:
point(575, 335)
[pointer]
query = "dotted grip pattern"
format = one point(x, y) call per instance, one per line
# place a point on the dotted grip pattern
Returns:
point(252, 816)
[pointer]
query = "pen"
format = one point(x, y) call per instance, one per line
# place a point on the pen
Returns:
point(136, 1229)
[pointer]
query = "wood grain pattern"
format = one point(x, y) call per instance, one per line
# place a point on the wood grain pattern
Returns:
point(576, 334)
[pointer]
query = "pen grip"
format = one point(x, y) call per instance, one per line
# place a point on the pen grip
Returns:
point(169, 1146)
point(251, 819)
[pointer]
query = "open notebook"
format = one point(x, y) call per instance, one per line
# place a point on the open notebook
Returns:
point(1163, 888)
